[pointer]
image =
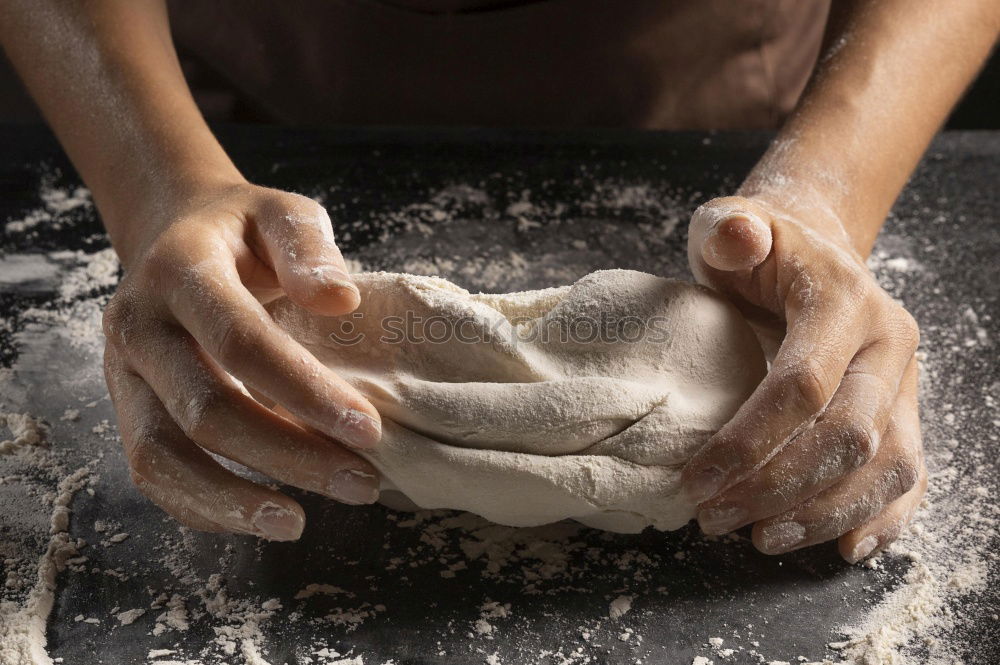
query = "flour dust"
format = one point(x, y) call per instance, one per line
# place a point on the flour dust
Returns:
point(90, 568)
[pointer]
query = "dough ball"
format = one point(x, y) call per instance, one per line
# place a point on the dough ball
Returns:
point(580, 402)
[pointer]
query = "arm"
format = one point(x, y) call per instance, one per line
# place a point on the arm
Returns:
point(198, 242)
point(107, 79)
point(829, 446)
point(890, 72)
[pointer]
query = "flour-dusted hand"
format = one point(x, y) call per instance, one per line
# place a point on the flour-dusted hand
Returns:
point(187, 319)
point(828, 446)
point(202, 248)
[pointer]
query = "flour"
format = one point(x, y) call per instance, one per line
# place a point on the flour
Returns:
point(919, 610)
point(620, 606)
point(528, 243)
point(89, 272)
point(57, 204)
point(86, 281)
point(129, 617)
point(921, 590)
point(22, 626)
point(29, 272)
point(25, 430)
point(325, 589)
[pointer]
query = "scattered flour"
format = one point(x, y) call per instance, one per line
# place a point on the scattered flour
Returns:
point(933, 573)
point(22, 625)
point(57, 203)
point(129, 617)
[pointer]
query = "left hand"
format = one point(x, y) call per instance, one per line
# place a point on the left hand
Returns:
point(828, 445)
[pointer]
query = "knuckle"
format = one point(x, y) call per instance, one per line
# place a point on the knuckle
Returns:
point(899, 325)
point(173, 243)
point(909, 331)
point(746, 454)
point(198, 412)
point(179, 258)
point(141, 483)
point(296, 206)
point(112, 370)
point(304, 204)
point(228, 341)
point(312, 208)
point(862, 442)
point(809, 385)
point(141, 459)
point(110, 320)
point(731, 453)
point(906, 473)
point(119, 314)
point(854, 284)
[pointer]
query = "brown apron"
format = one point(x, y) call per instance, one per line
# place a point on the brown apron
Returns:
point(669, 64)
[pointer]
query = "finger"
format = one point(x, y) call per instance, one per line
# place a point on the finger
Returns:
point(885, 527)
point(183, 479)
point(297, 238)
point(844, 438)
point(212, 411)
point(824, 334)
point(895, 472)
point(729, 234)
point(238, 333)
point(845, 506)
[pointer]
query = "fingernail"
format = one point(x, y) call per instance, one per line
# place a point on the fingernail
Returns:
point(863, 549)
point(354, 487)
point(360, 429)
point(331, 274)
point(723, 519)
point(781, 537)
point(705, 484)
point(276, 523)
point(332, 277)
point(351, 427)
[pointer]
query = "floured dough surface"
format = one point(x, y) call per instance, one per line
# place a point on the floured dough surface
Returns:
point(579, 402)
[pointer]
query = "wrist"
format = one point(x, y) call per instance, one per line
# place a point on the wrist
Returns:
point(818, 200)
point(802, 203)
point(134, 217)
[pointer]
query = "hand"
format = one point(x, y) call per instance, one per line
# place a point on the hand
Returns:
point(186, 331)
point(828, 446)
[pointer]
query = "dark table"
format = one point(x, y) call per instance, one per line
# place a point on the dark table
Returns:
point(499, 211)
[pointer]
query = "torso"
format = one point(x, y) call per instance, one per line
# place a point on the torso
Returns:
point(669, 64)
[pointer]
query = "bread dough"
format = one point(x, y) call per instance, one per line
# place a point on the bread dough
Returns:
point(579, 402)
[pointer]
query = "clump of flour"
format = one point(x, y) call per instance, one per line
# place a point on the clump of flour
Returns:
point(58, 204)
point(24, 609)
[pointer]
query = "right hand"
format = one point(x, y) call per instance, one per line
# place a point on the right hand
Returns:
point(828, 446)
point(186, 328)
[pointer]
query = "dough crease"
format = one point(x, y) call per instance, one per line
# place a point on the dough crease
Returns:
point(581, 402)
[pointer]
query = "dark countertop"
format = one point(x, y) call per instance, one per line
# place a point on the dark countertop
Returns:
point(412, 591)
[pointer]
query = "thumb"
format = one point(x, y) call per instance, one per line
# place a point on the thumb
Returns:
point(729, 234)
point(298, 237)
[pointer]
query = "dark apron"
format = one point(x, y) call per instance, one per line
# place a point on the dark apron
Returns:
point(670, 64)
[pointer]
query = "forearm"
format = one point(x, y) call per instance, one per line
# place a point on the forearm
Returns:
point(105, 74)
point(889, 73)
